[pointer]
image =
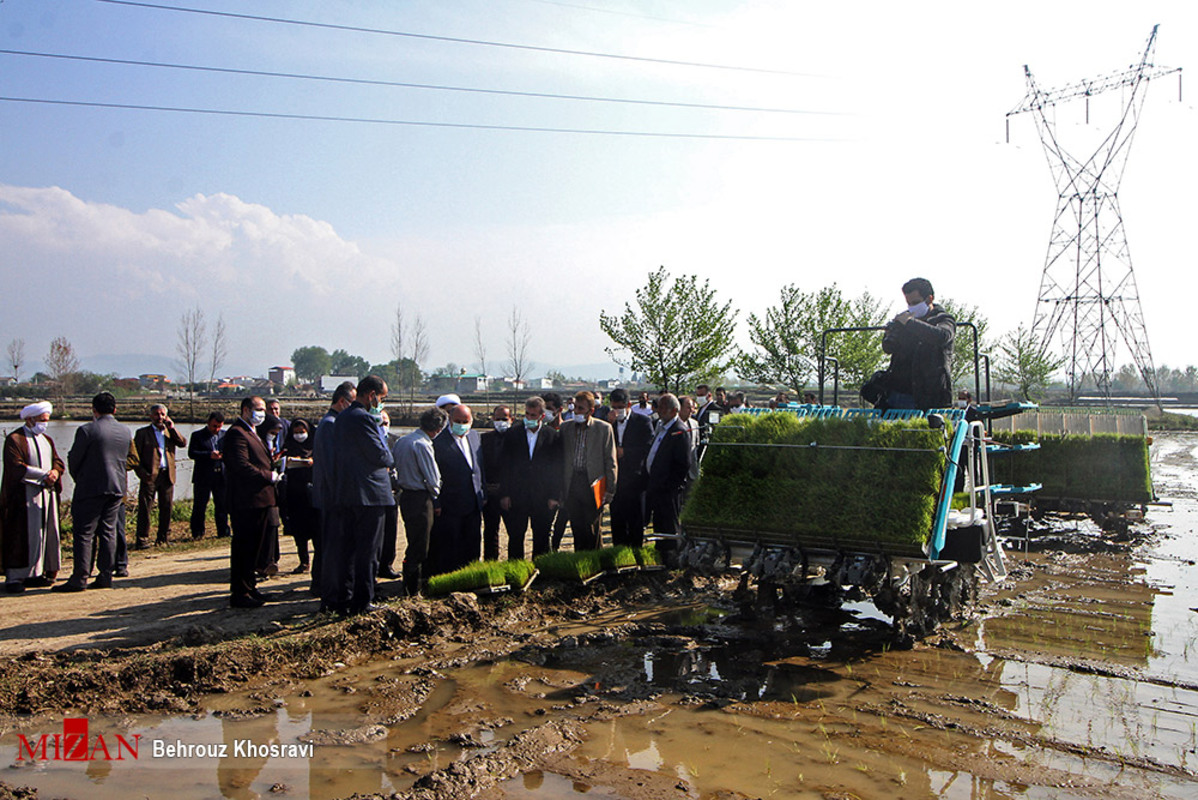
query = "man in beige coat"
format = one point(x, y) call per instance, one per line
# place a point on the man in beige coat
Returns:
point(588, 469)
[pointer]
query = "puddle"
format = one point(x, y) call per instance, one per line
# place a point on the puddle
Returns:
point(1084, 684)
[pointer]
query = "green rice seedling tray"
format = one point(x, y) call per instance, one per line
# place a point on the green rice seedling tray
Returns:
point(1104, 467)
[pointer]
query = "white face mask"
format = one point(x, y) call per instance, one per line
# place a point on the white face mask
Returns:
point(704, 399)
point(962, 404)
point(39, 428)
point(501, 425)
point(581, 418)
point(919, 310)
point(301, 437)
point(548, 416)
point(622, 415)
point(257, 417)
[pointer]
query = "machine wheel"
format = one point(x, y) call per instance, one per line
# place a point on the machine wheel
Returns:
point(930, 597)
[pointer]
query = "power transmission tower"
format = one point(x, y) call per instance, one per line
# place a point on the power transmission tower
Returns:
point(1088, 297)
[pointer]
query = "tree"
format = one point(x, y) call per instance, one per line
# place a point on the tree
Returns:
point(963, 342)
point(674, 335)
point(345, 364)
point(518, 339)
point(191, 343)
point(480, 346)
point(1023, 363)
point(788, 338)
point(16, 357)
point(311, 362)
point(557, 377)
point(62, 364)
point(220, 349)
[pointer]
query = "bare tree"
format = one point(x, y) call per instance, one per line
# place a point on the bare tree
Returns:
point(399, 332)
point(62, 364)
point(191, 344)
point(480, 345)
point(519, 338)
point(220, 349)
point(419, 340)
point(16, 357)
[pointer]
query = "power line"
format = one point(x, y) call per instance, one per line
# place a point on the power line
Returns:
point(414, 123)
point(454, 39)
point(406, 85)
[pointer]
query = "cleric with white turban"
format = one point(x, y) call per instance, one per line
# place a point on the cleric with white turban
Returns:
point(30, 545)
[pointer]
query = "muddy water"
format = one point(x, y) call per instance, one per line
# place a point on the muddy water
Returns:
point(1079, 679)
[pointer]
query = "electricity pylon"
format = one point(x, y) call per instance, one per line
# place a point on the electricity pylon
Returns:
point(1088, 297)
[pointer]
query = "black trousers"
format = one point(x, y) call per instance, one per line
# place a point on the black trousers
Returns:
point(455, 541)
point(517, 520)
point(582, 513)
point(322, 574)
point(162, 489)
point(664, 508)
point(250, 526)
point(387, 542)
point(492, 514)
point(628, 515)
point(416, 508)
point(353, 556)
point(201, 492)
point(95, 522)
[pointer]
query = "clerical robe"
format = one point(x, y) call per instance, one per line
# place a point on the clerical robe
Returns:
point(30, 544)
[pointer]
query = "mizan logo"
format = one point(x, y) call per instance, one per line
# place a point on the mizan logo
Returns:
point(74, 744)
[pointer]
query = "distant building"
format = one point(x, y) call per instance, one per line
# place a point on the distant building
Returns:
point(7, 380)
point(284, 376)
point(330, 382)
point(153, 381)
point(472, 384)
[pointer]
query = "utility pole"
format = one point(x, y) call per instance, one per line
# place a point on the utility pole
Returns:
point(1088, 298)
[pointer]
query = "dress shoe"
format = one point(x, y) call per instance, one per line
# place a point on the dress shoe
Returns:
point(265, 597)
point(245, 601)
point(141, 544)
point(67, 587)
point(101, 583)
point(39, 582)
point(14, 588)
point(161, 541)
point(389, 574)
point(300, 570)
point(121, 572)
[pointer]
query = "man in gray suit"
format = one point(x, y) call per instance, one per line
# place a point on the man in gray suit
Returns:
point(361, 479)
point(97, 462)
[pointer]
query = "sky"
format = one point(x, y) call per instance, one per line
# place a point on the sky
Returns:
point(883, 156)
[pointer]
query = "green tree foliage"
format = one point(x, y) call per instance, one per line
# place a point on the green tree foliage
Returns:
point(787, 339)
point(311, 362)
point(400, 374)
point(963, 343)
point(677, 333)
point(345, 364)
point(1022, 364)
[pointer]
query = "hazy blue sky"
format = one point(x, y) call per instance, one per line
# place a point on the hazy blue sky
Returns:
point(114, 221)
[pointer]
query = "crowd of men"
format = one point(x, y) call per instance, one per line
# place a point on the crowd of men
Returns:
point(343, 484)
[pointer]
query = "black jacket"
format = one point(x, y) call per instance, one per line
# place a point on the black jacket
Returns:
point(534, 480)
point(921, 358)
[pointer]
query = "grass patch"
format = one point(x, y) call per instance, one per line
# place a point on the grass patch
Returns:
point(481, 575)
point(868, 483)
point(1106, 466)
point(1168, 421)
point(576, 566)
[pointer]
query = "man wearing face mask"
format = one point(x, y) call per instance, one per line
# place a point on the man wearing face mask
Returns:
point(30, 547)
point(456, 539)
point(362, 492)
point(530, 480)
point(920, 343)
point(492, 444)
point(589, 471)
point(633, 434)
point(251, 480)
point(208, 477)
point(668, 466)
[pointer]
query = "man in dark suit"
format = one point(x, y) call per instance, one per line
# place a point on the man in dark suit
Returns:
point(530, 480)
point(589, 471)
point(668, 467)
point(155, 468)
point(491, 443)
point(97, 462)
point(457, 536)
point(273, 409)
point(208, 476)
point(251, 494)
point(634, 435)
point(362, 493)
point(322, 484)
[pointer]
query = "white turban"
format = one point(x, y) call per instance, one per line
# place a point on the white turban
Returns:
point(448, 399)
point(36, 409)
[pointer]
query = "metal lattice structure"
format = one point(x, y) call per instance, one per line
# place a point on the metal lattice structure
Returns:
point(1088, 299)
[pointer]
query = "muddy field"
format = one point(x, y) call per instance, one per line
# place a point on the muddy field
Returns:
point(1075, 678)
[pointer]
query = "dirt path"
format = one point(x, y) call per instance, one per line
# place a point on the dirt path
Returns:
point(168, 593)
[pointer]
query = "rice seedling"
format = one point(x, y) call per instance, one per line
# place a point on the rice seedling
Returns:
point(569, 566)
point(617, 557)
point(482, 575)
